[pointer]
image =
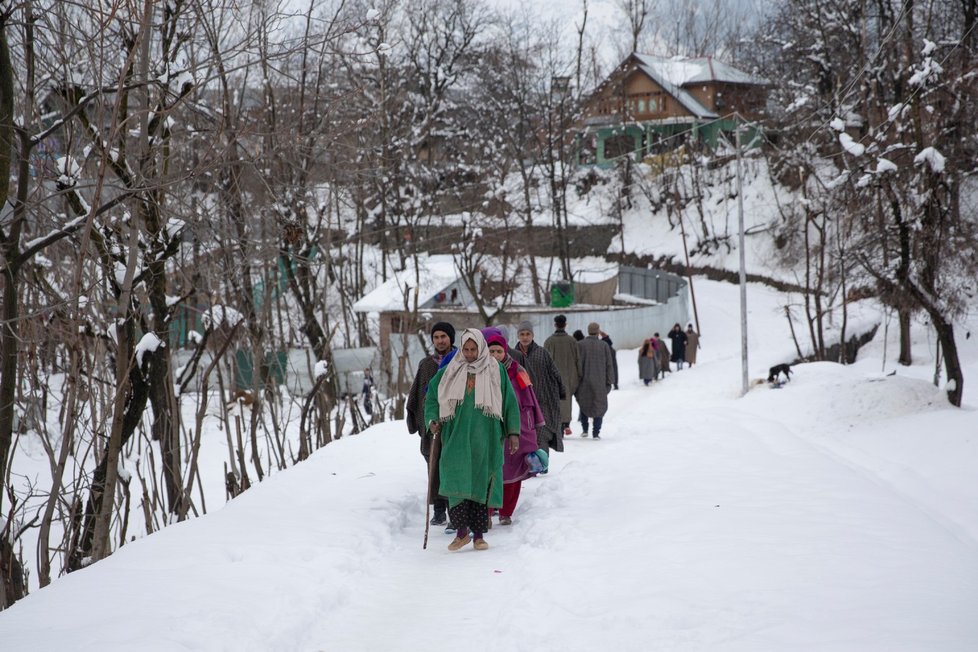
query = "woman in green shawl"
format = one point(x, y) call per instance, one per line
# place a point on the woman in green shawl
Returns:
point(471, 405)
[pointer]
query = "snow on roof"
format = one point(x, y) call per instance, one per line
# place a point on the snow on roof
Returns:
point(675, 73)
point(596, 273)
point(682, 72)
point(435, 274)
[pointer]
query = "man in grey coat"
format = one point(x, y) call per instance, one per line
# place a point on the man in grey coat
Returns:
point(597, 377)
point(567, 356)
point(547, 385)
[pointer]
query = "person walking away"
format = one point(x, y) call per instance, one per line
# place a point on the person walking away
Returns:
point(472, 407)
point(678, 338)
point(547, 385)
point(663, 351)
point(646, 361)
point(614, 355)
point(567, 356)
point(692, 344)
point(597, 377)
point(516, 465)
point(443, 341)
point(367, 392)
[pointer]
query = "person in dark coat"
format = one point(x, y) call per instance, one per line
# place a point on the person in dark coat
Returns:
point(368, 392)
point(567, 356)
point(597, 378)
point(614, 355)
point(647, 358)
point(678, 338)
point(692, 345)
point(443, 340)
point(548, 385)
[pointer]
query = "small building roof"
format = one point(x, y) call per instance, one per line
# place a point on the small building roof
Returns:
point(435, 273)
point(683, 72)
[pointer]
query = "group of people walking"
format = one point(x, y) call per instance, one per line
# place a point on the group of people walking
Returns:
point(590, 367)
point(654, 357)
point(488, 415)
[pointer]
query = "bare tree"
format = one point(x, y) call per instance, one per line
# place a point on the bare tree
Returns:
point(637, 14)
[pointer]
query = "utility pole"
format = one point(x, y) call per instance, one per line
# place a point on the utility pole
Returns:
point(743, 268)
point(689, 273)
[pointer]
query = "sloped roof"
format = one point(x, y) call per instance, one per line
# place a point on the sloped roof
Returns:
point(436, 274)
point(674, 74)
point(671, 78)
point(682, 72)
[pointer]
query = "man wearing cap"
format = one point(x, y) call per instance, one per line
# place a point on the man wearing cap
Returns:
point(567, 356)
point(547, 384)
point(443, 340)
point(597, 377)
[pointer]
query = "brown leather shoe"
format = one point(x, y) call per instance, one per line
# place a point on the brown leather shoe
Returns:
point(457, 543)
point(481, 544)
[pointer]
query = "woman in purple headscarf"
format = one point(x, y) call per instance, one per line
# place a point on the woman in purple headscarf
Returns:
point(516, 467)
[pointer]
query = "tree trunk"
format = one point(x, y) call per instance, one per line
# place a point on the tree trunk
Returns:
point(8, 312)
point(83, 537)
point(952, 363)
point(906, 359)
point(67, 443)
point(12, 581)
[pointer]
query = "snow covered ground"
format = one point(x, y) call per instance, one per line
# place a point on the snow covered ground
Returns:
point(837, 513)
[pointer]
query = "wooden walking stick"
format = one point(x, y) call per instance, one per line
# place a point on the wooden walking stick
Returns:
point(433, 454)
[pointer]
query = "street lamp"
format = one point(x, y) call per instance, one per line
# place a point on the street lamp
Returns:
point(560, 86)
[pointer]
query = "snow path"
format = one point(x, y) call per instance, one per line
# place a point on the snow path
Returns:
point(699, 522)
point(733, 537)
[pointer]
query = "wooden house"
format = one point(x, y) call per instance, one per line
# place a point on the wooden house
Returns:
point(651, 106)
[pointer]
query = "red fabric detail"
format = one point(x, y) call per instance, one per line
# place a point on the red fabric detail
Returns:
point(511, 496)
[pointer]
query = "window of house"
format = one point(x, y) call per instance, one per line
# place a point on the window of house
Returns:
point(641, 106)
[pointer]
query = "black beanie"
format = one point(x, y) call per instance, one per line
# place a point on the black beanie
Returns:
point(445, 328)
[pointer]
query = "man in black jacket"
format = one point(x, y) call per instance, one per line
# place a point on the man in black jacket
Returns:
point(443, 340)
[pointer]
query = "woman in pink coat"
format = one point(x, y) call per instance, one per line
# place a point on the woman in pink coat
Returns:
point(516, 468)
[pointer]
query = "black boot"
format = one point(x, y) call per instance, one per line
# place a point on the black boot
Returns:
point(439, 518)
point(441, 512)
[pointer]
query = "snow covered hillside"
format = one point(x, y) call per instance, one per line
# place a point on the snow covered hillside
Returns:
point(837, 513)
